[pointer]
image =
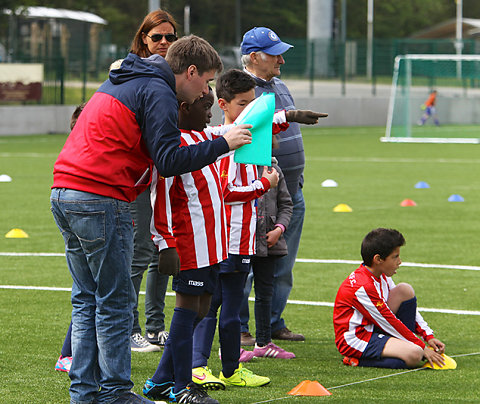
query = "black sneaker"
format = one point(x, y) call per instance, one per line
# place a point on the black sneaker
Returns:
point(157, 338)
point(131, 398)
point(192, 394)
point(157, 391)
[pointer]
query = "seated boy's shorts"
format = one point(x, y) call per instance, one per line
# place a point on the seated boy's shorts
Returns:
point(235, 263)
point(196, 281)
point(375, 346)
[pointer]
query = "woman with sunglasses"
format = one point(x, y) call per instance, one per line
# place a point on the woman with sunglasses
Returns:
point(155, 34)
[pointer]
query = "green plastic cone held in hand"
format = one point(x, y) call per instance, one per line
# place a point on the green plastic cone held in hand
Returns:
point(259, 114)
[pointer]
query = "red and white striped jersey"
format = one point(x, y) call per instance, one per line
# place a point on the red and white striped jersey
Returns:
point(241, 187)
point(361, 304)
point(189, 212)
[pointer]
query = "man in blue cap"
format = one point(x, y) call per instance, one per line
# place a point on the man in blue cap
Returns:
point(262, 58)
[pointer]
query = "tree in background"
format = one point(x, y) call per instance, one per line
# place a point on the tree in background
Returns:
point(400, 19)
point(215, 20)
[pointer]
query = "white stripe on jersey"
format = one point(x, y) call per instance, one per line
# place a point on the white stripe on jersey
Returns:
point(365, 301)
point(157, 238)
point(195, 208)
point(350, 336)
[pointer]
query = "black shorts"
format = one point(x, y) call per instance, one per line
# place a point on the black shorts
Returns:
point(196, 281)
point(235, 263)
point(375, 346)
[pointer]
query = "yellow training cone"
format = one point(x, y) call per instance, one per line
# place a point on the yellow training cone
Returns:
point(342, 207)
point(449, 364)
point(16, 233)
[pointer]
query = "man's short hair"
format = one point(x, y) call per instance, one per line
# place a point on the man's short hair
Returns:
point(247, 60)
point(233, 82)
point(193, 50)
point(380, 241)
point(76, 114)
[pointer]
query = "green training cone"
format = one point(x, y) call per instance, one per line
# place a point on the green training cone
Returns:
point(259, 114)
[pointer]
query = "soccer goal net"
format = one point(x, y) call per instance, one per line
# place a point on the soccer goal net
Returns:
point(435, 98)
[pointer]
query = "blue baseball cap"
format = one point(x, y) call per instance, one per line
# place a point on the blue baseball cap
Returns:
point(265, 40)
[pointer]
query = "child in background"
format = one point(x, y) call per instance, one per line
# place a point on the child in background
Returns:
point(375, 321)
point(430, 110)
point(64, 361)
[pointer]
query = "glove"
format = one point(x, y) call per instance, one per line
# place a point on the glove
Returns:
point(168, 261)
point(307, 117)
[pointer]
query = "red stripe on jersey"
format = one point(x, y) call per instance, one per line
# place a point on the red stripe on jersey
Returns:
point(360, 305)
point(197, 214)
point(241, 187)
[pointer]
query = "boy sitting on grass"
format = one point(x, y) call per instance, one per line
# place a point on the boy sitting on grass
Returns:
point(376, 321)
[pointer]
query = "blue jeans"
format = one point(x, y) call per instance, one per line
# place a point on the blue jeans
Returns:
point(145, 255)
point(98, 237)
point(283, 278)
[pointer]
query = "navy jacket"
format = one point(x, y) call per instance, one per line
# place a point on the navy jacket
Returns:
point(130, 122)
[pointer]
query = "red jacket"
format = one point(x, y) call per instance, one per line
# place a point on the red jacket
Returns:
point(130, 121)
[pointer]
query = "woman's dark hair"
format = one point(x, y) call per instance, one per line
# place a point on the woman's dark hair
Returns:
point(152, 20)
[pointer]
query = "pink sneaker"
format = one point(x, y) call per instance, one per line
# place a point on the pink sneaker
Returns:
point(63, 364)
point(245, 356)
point(272, 351)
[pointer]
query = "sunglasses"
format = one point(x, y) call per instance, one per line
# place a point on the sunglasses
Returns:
point(159, 37)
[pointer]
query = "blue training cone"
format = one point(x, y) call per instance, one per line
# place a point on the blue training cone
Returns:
point(421, 185)
point(259, 114)
point(456, 198)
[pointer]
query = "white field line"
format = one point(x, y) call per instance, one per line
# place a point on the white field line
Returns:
point(368, 380)
point(300, 302)
point(404, 264)
point(299, 260)
point(28, 155)
point(310, 158)
point(392, 160)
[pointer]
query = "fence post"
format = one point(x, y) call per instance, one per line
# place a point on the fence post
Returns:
point(312, 66)
point(84, 61)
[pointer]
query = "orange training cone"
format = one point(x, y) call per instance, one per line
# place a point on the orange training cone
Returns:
point(309, 388)
point(408, 202)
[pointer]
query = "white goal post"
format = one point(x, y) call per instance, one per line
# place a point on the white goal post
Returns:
point(457, 80)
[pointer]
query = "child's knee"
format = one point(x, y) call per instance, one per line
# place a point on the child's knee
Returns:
point(406, 291)
point(413, 356)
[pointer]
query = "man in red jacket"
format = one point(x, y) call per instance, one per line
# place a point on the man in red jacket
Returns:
point(128, 125)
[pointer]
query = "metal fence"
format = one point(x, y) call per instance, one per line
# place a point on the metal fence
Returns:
point(71, 76)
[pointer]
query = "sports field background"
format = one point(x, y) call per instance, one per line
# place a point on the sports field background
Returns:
point(373, 179)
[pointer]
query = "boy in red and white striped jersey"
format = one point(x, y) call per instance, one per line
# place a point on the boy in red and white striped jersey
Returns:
point(376, 321)
point(241, 187)
point(188, 220)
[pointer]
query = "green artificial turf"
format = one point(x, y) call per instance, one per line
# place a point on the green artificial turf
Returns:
point(373, 179)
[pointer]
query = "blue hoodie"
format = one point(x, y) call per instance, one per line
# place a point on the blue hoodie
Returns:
point(130, 122)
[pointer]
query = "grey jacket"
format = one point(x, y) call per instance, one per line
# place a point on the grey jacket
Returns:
point(274, 207)
point(290, 154)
